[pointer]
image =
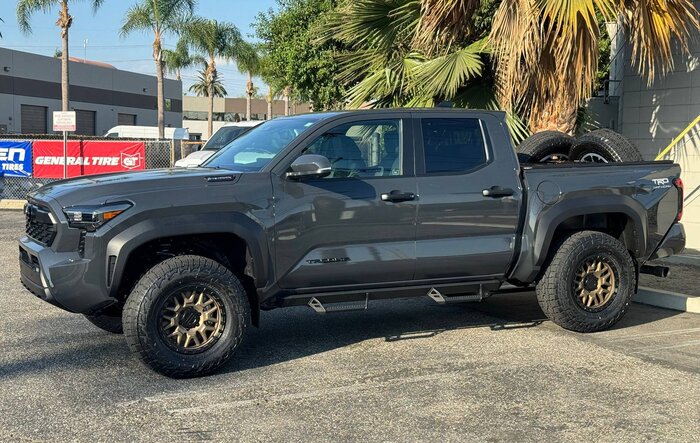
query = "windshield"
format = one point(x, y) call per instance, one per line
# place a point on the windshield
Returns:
point(223, 137)
point(253, 150)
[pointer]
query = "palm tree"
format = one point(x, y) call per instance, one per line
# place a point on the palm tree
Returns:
point(271, 79)
point(159, 17)
point(25, 9)
point(214, 39)
point(204, 86)
point(249, 62)
point(180, 58)
point(537, 59)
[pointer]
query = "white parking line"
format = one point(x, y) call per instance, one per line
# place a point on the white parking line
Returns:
point(358, 387)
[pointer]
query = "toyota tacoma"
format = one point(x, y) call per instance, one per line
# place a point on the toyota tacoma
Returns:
point(335, 210)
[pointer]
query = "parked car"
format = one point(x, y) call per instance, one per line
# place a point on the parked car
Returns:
point(147, 132)
point(335, 210)
point(225, 135)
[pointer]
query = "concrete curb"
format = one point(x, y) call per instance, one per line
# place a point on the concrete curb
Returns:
point(668, 300)
point(12, 204)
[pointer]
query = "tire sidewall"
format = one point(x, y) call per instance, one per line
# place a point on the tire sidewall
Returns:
point(624, 273)
point(579, 151)
point(146, 330)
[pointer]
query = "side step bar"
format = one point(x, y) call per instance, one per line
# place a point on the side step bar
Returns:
point(443, 299)
point(320, 308)
point(361, 305)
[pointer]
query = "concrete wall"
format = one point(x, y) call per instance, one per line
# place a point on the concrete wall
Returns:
point(653, 115)
point(33, 79)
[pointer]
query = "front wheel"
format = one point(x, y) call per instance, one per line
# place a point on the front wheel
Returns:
point(588, 285)
point(186, 316)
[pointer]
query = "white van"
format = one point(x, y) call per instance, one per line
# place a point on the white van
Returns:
point(147, 132)
point(225, 135)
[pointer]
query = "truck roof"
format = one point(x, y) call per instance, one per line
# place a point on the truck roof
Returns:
point(380, 111)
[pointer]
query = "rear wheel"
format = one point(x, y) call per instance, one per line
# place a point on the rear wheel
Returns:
point(589, 283)
point(186, 316)
point(545, 147)
point(604, 146)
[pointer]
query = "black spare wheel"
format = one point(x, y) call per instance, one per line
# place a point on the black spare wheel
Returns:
point(604, 146)
point(545, 147)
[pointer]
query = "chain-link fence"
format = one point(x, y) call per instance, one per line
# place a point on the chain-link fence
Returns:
point(158, 154)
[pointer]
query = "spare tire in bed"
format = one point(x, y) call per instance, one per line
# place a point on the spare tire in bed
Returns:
point(604, 146)
point(545, 146)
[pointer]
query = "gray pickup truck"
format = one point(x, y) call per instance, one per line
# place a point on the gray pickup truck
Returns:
point(334, 210)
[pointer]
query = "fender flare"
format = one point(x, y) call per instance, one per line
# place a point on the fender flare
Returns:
point(589, 205)
point(152, 227)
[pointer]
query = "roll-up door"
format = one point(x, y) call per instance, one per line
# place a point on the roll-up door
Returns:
point(126, 119)
point(85, 122)
point(34, 120)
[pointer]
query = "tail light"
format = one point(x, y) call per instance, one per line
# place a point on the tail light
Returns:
point(678, 183)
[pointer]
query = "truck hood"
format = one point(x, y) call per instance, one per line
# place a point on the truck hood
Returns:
point(99, 189)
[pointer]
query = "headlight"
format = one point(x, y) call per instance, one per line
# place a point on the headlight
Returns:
point(92, 217)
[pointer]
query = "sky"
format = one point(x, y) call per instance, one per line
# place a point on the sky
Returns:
point(133, 53)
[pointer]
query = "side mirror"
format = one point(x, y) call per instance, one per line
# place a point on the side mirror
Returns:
point(310, 166)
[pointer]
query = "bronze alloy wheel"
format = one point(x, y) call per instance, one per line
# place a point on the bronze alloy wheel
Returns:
point(192, 320)
point(595, 283)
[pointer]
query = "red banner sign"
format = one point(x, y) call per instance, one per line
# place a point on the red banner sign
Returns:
point(87, 157)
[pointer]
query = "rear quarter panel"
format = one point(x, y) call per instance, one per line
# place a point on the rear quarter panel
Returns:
point(644, 192)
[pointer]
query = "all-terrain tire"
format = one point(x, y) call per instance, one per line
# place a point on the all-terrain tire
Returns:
point(143, 323)
point(604, 144)
point(109, 323)
point(557, 293)
point(542, 145)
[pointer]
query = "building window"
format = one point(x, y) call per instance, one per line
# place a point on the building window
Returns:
point(34, 119)
point(168, 104)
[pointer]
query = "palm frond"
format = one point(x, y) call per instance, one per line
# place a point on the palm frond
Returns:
point(443, 23)
point(653, 26)
point(26, 8)
point(203, 83)
point(442, 76)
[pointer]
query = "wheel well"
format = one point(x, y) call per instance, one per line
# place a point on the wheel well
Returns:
point(615, 224)
point(228, 249)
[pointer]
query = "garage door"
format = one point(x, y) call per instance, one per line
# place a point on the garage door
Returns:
point(84, 122)
point(34, 119)
point(126, 119)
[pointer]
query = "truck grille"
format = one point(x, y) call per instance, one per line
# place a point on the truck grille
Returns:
point(39, 225)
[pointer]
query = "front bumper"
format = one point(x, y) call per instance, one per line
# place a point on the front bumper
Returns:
point(61, 278)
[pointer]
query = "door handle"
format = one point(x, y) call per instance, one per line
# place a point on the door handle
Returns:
point(396, 196)
point(497, 192)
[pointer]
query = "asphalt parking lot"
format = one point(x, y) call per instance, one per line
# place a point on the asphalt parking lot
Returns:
point(401, 371)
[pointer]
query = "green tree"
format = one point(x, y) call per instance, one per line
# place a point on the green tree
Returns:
point(207, 86)
point(25, 10)
point(296, 59)
point(180, 58)
point(249, 62)
point(215, 40)
point(543, 54)
point(159, 17)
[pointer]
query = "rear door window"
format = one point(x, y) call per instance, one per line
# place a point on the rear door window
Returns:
point(453, 145)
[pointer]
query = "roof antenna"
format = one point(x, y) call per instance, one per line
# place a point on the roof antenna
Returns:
point(445, 104)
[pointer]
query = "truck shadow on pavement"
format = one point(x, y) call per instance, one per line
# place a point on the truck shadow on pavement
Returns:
point(294, 333)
